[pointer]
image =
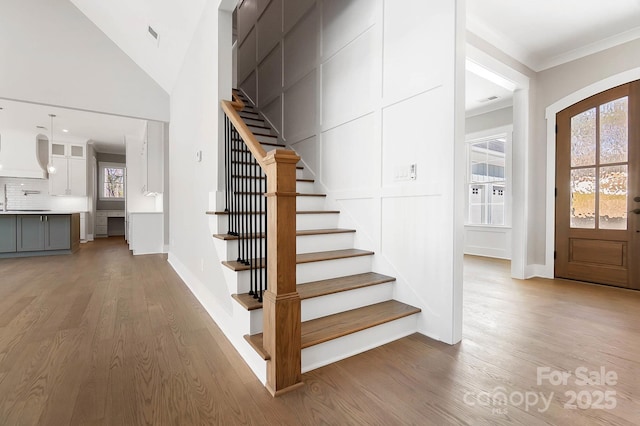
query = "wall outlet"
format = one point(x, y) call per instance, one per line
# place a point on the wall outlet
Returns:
point(198, 156)
point(413, 171)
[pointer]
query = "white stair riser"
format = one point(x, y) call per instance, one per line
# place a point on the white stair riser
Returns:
point(317, 221)
point(324, 242)
point(316, 271)
point(306, 188)
point(310, 203)
point(330, 304)
point(261, 138)
point(255, 129)
point(228, 250)
point(308, 272)
point(250, 121)
point(334, 350)
point(303, 222)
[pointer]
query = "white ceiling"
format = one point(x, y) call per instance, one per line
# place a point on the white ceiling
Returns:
point(126, 23)
point(545, 33)
point(107, 131)
point(477, 92)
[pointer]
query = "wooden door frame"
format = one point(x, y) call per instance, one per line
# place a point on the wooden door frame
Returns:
point(548, 269)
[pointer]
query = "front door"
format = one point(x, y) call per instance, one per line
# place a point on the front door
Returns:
point(598, 189)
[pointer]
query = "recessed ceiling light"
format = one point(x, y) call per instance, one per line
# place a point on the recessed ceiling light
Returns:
point(65, 130)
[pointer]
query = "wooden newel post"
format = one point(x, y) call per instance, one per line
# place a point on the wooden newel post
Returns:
point(281, 302)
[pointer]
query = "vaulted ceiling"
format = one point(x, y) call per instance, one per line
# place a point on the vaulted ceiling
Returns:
point(127, 22)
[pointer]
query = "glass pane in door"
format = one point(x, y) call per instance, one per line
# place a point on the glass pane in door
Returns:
point(614, 123)
point(583, 198)
point(613, 197)
point(583, 139)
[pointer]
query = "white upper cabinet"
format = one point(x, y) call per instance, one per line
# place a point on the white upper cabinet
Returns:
point(70, 177)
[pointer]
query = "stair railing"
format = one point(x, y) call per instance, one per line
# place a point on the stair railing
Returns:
point(250, 172)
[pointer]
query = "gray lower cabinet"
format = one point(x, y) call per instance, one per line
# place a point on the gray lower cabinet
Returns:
point(7, 234)
point(57, 232)
point(30, 232)
point(43, 232)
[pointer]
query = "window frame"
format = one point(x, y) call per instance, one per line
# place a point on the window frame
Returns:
point(106, 165)
point(505, 132)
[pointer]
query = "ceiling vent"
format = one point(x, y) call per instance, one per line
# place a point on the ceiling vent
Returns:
point(489, 99)
point(153, 33)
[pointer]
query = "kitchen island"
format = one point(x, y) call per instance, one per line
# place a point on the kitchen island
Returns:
point(38, 233)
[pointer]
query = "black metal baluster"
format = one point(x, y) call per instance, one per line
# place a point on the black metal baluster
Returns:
point(266, 240)
point(254, 228)
point(228, 178)
point(260, 231)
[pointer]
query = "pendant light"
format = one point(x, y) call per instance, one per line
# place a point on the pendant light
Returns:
point(51, 168)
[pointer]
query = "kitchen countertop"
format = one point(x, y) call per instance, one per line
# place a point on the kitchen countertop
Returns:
point(41, 212)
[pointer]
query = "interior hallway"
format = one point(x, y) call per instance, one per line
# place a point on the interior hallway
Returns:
point(102, 337)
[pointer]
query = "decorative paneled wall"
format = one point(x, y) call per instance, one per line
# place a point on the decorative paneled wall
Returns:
point(363, 89)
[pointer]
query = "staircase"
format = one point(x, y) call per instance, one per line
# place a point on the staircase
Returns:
point(346, 307)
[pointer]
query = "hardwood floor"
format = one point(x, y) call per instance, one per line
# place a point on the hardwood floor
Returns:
point(102, 337)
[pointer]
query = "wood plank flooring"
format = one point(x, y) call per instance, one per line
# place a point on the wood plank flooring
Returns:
point(105, 338)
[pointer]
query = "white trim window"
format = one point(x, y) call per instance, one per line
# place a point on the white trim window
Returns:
point(112, 181)
point(488, 176)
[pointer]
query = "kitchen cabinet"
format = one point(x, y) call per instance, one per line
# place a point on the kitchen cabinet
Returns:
point(153, 159)
point(43, 232)
point(70, 177)
point(146, 233)
point(7, 233)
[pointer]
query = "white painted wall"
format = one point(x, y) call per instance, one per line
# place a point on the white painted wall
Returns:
point(317, 70)
point(52, 54)
point(489, 120)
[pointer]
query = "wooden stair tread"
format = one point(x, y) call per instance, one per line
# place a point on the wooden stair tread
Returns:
point(298, 212)
point(319, 256)
point(331, 327)
point(342, 324)
point(322, 288)
point(300, 233)
point(266, 135)
point(257, 343)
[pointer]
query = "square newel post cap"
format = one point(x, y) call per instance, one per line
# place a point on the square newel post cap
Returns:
point(284, 156)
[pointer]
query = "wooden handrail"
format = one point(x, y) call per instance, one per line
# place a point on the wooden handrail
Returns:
point(282, 318)
point(237, 102)
point(247, 136)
